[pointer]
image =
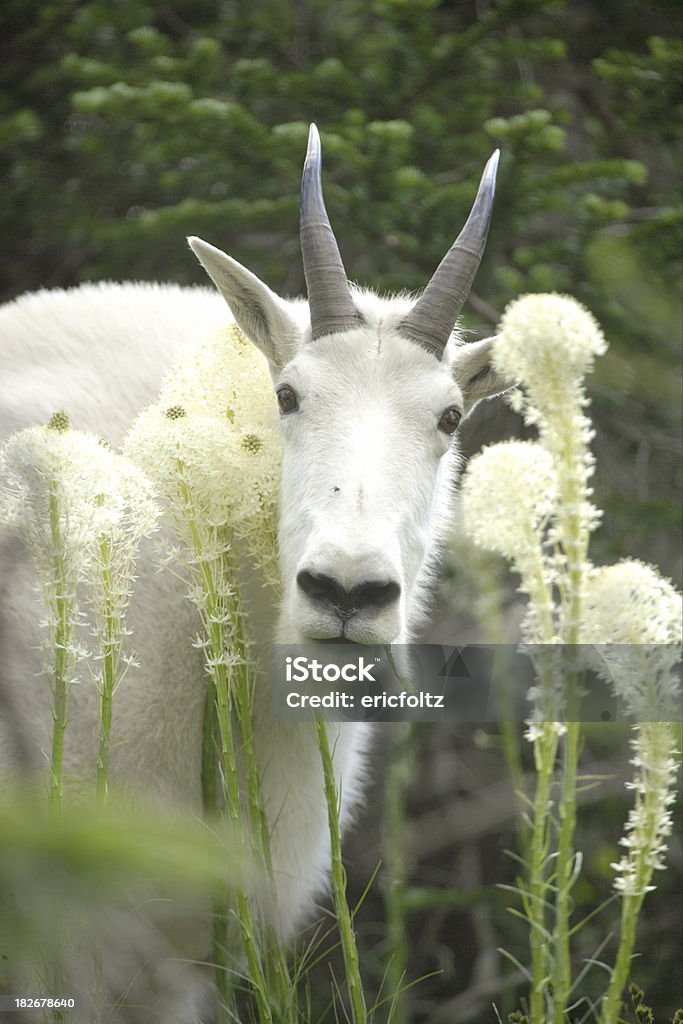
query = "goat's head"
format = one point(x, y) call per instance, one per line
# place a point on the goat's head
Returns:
point(371, 392)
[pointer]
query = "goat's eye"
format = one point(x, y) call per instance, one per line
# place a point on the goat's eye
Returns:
point(287, 399)
point(450, 418)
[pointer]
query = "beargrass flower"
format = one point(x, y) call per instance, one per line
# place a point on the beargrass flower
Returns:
point(539, 516)
point(649, 822)
point(133, 514)
point(631, 603)
point(41, 468)
point(509, 494)
point(547, 344)
point(547, 341)
point(633, 616)
point(213, 432)
point(81, 511)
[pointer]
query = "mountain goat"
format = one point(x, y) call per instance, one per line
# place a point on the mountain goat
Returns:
point(370, 391)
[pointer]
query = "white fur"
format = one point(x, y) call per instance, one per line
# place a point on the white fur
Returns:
point(366, 490)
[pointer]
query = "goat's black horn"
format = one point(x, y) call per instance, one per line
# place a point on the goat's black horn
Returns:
point(329, 294)
point(433, 317)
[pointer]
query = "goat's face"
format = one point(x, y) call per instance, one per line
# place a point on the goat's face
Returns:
point(370, 397)
point(368, 421)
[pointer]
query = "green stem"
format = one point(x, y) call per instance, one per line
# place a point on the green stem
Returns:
point(490, 602)
point(574, 538)
point(209, 748)
point(231, 783)
point(396, 873)
point(344, 920)
point(243, 689)
point(62, 647)
point(211, 803)
point(61, 702)
point(612, 1004)
point(545, 752)
point(110, 632)
point(275, 960)
point(510, 738)
point(562, 979)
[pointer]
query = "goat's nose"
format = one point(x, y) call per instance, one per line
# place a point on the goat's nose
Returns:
point(369, 594)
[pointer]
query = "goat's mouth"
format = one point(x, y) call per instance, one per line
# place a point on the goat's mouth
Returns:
point(345, 641)
point(327, 640)
point(337, 640)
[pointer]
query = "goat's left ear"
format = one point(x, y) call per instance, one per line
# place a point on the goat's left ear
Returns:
point(474, 373)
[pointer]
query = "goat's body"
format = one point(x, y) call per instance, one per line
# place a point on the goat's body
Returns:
point(370, 392)
point(99, 352)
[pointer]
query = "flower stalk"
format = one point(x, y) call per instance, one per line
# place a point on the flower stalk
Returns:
point(395, 871)
point(126, 514)
point(547, 344)
point(359, 1014)
point(633, 617)
point(207, 566)
point(648, 827)
point(574, 465)
point(212, 446)
point(77, 507)
point(62, 492)
point(60, 595)
point(110, 644)
point(545, 753)
point(229, 706)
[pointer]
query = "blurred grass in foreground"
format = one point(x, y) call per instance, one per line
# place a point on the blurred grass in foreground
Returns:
point(136, 880)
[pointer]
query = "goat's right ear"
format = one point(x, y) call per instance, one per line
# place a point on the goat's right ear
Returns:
point(259, 312)
point(474, 373)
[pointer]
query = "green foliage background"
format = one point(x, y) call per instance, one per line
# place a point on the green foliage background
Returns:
point(127, 125)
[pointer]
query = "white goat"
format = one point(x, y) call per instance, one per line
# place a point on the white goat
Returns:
point(371, 391)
